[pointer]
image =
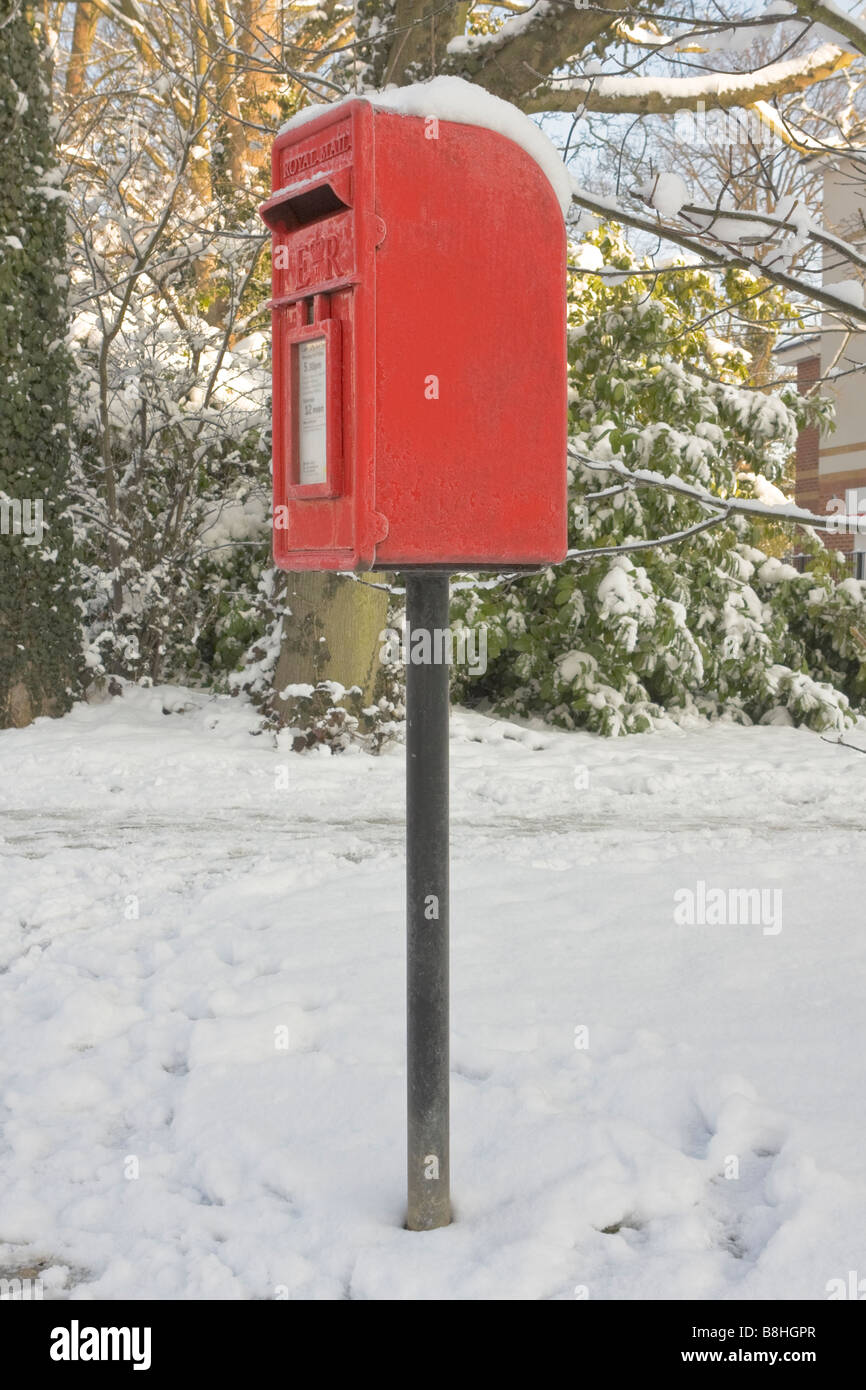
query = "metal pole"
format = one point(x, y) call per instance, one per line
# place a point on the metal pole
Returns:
point(427, 901)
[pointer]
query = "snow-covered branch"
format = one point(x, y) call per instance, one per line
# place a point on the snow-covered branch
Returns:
point(627, 546)
point(727, 248)
point(728, 224)
point(825, 12)
point(727, 506)
point(662, 95)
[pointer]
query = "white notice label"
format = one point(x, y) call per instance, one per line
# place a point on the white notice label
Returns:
point(312, 419)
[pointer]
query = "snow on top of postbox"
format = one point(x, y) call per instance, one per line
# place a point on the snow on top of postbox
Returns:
point(455, 99)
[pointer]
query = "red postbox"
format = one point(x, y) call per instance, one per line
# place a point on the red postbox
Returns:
point(419, 346)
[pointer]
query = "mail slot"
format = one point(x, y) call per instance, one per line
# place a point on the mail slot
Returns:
point(419, 346)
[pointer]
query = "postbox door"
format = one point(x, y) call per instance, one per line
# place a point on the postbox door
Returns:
point(323, 298)
point(312, 382)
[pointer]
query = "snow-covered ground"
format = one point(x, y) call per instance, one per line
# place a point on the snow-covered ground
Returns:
point(201, 974)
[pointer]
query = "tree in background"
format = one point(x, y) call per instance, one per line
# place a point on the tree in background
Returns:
point(168, 117)
point(169, 112)
point(40, 630)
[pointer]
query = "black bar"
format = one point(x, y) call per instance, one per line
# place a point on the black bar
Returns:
point(427, 605)
point(195, 1339)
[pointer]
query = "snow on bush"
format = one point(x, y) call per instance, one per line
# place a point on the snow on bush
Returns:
point(715, 624)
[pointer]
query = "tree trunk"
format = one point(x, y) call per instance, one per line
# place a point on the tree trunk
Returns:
point(333, 634)
point(83, 32)
point(40, 637)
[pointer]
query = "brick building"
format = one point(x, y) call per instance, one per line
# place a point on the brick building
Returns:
point(831, 468)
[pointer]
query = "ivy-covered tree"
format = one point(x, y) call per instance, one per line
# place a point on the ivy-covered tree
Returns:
point(712, 620)
point(40, 641)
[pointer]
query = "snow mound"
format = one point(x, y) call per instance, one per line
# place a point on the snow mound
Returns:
point(455, 99)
